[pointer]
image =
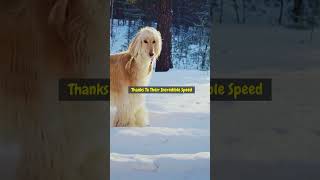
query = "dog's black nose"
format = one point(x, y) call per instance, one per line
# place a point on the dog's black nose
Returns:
point(151, 54)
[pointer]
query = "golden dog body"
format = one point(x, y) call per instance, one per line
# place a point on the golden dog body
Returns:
point(133, 68)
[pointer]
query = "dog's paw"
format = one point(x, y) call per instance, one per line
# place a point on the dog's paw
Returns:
point(120, 123)
point(124, 121)
point(140, 123)
point(141, 117)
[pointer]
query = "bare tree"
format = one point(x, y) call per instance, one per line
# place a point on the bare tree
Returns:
point(236, 9)
point(111, 17)
point(281, 12)
point(315, 14)
point(221, 11)
point(244, 11)
point(164, 26)
point(297, 10)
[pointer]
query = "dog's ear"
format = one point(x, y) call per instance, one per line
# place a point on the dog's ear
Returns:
point(159, 45)
point(58, 16)
point(135, 45)
point(128, 64)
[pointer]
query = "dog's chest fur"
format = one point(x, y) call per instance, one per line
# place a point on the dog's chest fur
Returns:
point(140, 74)
point(125, 71)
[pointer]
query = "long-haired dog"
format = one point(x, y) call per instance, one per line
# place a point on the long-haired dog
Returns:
point(133, 67)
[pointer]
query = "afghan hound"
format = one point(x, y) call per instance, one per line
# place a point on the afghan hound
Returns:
point(133, 67)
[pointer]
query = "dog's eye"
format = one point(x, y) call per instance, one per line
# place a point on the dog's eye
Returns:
point(153, 42)
point(145, 41)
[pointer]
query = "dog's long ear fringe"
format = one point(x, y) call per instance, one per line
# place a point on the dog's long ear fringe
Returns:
point(135, 46)
point(159, 46)
point(128, 64)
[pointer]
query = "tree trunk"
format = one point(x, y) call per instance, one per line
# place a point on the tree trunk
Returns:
point(129, 32)
point(297, 10)
point(221, 11)
point(281, 12)
point(111, 17)
point(147, 19)
point(204, 54)
point(164, 26)
point(236, 9)
point(244, 6)
point(211, 10)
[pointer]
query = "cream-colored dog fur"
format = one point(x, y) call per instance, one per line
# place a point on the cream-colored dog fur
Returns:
point(133, 68)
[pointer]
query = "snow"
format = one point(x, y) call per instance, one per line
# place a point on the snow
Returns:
point(176, 146)
point(119, 39)
point(174, 166)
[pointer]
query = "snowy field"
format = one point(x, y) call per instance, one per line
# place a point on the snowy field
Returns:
point(176, 146)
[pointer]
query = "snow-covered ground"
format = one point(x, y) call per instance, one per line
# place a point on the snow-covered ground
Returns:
point(176, 146)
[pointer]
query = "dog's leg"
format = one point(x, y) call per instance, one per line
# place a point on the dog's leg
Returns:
point(141, 117)
point(124, 117)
